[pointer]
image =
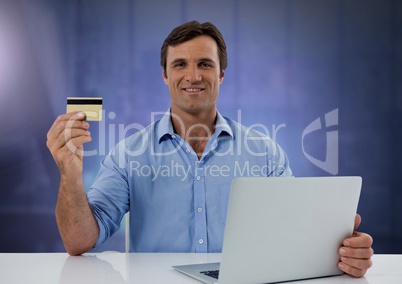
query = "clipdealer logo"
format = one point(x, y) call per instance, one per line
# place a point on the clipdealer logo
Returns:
point(331, 162)
point(323, 124)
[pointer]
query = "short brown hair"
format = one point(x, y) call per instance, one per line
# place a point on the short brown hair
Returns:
point(191, 30)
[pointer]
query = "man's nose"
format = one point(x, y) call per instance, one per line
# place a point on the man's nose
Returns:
point(193, 74)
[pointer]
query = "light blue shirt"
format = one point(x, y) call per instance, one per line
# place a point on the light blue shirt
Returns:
point(178, 202)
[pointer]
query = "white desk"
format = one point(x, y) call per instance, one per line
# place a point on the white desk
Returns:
point(120, 268)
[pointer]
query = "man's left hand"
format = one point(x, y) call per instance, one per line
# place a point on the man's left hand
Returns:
point(356, 252)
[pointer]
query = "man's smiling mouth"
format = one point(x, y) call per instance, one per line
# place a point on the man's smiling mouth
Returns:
point(193, 90)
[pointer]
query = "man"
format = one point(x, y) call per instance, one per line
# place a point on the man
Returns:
point(173, 176)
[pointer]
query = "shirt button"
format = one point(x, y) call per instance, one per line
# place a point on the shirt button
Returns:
point(188, 150)
point(199, 209)
point(174, 136)
point(201, 241)
point(198, 177)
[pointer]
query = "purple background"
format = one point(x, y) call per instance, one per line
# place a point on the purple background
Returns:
point(290, 62)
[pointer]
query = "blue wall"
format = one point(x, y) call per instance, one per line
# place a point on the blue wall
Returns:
point(290, 63)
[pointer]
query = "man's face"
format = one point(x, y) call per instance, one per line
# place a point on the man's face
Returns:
point(193, 75)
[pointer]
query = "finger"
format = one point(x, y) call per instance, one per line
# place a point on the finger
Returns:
point(77, 115)
point(67, 125)
point(351, 270)
point(56, 131)
point(66, 136)
point(72, 133)
point(69, 134)
point(357, 253)
point(61, 121)
point(358, 220)
point(359, 240)
point(362, 264)
point(75, 145)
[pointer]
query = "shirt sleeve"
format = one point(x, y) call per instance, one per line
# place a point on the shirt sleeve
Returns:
point(109, 195)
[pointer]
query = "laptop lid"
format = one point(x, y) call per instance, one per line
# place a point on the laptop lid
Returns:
point(281, 229)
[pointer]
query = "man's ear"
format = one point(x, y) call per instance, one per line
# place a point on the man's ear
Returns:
point(164, 76)
point(221, 77)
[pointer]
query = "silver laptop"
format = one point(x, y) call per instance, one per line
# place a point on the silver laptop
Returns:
point(282, 229)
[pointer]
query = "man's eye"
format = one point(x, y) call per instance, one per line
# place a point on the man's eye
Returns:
point(205, 65)
point(179, 65)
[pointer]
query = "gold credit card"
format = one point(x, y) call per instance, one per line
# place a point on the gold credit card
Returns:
point(91, 106)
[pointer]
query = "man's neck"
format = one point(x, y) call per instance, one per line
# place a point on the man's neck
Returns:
point(195, 128)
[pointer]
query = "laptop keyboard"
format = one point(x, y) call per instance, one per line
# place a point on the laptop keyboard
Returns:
point(211, 273)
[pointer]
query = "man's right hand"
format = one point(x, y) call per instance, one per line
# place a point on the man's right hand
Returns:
point(65, 141)
point(77, 224)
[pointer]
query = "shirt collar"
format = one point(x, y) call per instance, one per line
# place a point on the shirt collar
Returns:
point(222, 127)
point(165, 128)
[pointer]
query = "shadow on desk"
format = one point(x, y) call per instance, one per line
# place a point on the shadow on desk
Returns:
point(89, 269)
